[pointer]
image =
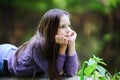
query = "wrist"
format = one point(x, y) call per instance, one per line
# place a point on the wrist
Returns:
point(62, 49)
point(71, 44)
point(71, 49)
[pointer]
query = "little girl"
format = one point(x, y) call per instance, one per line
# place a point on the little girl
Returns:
point(51, 51)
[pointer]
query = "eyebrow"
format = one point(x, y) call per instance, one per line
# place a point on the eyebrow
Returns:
point(65, 24)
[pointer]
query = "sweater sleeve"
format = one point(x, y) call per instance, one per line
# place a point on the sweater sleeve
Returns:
point(71, 65)
point(60, 62)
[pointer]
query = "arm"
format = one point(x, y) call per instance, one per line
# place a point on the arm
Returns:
point(71, 65)
point(60, 62)
point(70, 60)
point(62, 42)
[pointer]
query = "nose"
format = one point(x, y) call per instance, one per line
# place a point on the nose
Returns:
point(68, 29)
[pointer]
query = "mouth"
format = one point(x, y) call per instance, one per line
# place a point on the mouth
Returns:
point(69, 34)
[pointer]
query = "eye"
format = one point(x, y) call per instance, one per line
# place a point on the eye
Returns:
point(69, 25)
point(62, 26)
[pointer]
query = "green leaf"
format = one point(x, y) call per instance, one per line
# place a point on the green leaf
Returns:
point(98, 60)
point(108, 76)
point(88, 71)
point(102, 78)
point(101, 69)
point(80, 73)
point(103, 63)
point(96, 74)
point(116, 76)
point(91, 61)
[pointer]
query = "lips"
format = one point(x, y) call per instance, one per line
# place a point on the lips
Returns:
point(69, 34)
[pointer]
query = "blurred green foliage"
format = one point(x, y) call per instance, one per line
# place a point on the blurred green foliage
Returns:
point(71, 5)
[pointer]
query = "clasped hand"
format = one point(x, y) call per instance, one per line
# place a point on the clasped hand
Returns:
point(67, 39)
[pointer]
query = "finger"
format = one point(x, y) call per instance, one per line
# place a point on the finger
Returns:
point(57, 38)
point(72, 33)
point(65, 40)
point(62, 40)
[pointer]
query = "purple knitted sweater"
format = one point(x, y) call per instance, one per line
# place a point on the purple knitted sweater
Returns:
point(31, 62)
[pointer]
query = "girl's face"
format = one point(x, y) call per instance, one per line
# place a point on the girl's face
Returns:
point(64, 26)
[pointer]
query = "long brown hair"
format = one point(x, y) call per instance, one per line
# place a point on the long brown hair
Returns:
point(47, 29)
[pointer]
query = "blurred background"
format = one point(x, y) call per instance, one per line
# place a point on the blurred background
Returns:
point(97, 23)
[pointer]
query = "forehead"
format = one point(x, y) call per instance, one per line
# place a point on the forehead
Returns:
point(64, 20)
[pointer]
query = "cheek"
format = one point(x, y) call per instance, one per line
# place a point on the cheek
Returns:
point(61, 32)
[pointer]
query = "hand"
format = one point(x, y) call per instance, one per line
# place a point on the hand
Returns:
point(62, 42)
point(71, 37)
point(71, 43)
